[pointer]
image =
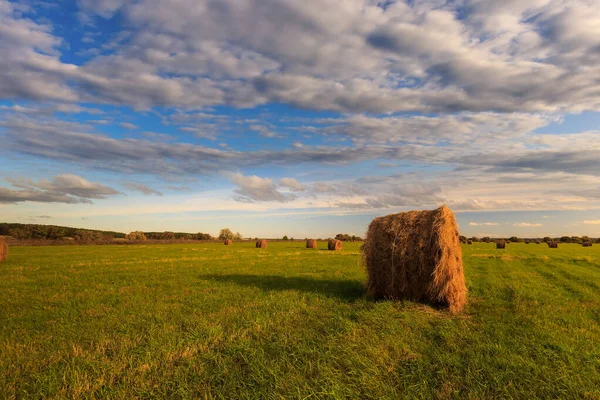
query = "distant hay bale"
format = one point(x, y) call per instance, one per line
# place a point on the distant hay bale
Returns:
point(469, 241)
point(538, 242)
point(587, 244)
point(334, 244)
point(227, 242)
point(262, 243)
point(553, 244)
point(527, 242)
point(3, 249)
point(500, 244)
point(311, 244)
point(416, 255)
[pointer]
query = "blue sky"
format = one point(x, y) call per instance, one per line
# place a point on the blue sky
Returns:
point(303, 118)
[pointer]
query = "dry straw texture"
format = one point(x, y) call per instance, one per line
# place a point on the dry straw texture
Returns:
point(228, 242)
point(311, 244)
point(262, 243)
point(553, 245)
point(500, 244)
point(587, 244)
point(3, 249)
point(416, 255)
point(334, 244)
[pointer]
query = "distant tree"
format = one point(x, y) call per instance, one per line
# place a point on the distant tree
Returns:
point(474, 239)
point(238, 236)
point(514, 239)
point(285, 238)
point(226, 234)
point(292, 239)
point(135, 236)
point(87, 236)
point(586, 238)
point(485, 239)
point(576, 239)
point(566, 239)
point(462, 239)
point(547, 239)
point(203, 236)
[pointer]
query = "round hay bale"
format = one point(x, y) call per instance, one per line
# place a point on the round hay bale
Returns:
point(587, 244)
point(334, 244)
point(262, 243)
point(553, 244)
point(500, 244)
point(416, 255)
point(538, 242)
point(469, 241)
point(3, 249)
point(311, 244)
point(228, 242)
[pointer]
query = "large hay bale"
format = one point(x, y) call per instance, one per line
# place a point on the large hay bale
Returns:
point(227, 242)
point(587, 244)
point(416, 255)
point(262, 243)
point(3, 249)
point(553, 244)
point(311, 244)
point(500, 244)
point(334, 244)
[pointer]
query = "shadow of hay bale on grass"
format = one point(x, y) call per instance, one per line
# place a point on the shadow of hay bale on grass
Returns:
point(348, 290)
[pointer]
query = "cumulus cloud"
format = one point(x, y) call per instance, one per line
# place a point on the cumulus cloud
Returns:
point(358, 56)
point(128, 125)
point(138, 187)
point(253, 188)
point(66, 188)
point(592, 222)
point(483, 223)
point(292, 184)
point(527, 224)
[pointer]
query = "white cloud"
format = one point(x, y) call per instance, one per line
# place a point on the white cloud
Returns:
point(527, 225)
point(66, 188)
point(483, 223)
point(138, 187)
point(292, 184)
point(253, 188)
point(592, 222)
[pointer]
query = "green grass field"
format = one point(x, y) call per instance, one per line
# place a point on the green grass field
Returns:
point(210, 321)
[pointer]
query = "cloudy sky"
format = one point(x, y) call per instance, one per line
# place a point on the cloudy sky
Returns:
point(300, 117)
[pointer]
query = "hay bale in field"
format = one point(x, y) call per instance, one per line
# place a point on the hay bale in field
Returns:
point(587, 244)
point(500, 244)
point(538, 242)
point(3, 249)
point(262, 243)
point(227, 242)
point(416, 255)
point(311, 244)
point(527, 242)
point(469, 241)
point(334, 244)
point(553, 244)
